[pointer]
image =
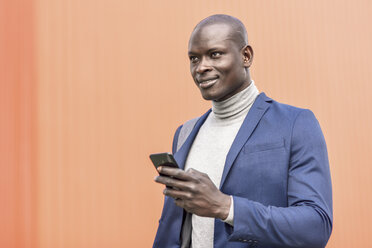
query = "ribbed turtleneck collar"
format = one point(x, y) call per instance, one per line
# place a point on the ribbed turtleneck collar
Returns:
point(236, 104)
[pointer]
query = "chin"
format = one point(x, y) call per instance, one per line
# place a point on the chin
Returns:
point(210, 97)
point(207, 98)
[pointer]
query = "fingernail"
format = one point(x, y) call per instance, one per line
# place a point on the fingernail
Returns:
point(159, 168)
point(164, 191)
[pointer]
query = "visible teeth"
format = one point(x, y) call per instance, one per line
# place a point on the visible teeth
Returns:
point(210, 80)
point(207, 83)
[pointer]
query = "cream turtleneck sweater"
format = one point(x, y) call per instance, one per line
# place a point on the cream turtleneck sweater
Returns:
point(209, 150)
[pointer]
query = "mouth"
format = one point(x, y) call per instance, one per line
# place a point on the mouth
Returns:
point(207, 83)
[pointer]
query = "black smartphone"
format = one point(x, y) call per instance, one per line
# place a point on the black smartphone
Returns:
point(164, 159)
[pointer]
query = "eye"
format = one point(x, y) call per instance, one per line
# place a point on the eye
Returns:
point(194, 59)
point(216, 55)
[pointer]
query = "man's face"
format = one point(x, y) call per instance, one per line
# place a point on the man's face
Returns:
point(216, 62)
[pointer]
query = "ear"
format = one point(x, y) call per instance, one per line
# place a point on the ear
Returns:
point(247, 53)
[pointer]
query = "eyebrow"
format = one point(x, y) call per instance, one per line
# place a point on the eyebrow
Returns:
point(209, 50)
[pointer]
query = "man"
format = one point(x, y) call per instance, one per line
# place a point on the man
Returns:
point(256, 171)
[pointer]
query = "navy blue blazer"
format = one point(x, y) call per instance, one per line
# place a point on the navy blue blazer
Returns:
point(278, 174)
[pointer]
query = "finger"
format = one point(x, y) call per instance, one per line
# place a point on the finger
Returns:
point(196, 173)
point(177, 194)
point(164, 180)
point(174, 172)
point(179, 202)
point(175, 183)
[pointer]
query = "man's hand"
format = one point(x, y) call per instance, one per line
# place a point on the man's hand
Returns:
point(195, 192)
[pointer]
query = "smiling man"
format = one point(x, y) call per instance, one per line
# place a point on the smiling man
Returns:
point(254, 172)
point(219, 59)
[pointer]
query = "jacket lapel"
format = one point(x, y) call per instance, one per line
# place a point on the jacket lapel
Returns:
point(181, 155)
point(175, 214)
point(250, 122)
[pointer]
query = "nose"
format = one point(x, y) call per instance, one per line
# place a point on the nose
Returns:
point(203, 66)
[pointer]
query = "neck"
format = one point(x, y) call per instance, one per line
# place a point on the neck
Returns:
point(236, 104)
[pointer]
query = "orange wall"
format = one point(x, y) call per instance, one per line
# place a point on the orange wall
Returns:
point(98, 85)
point(18, 132)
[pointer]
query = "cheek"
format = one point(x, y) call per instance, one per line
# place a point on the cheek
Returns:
point(193, 73)
point(228, 67)
point(235, 72)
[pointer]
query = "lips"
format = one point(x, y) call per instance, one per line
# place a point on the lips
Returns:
point(207, 83)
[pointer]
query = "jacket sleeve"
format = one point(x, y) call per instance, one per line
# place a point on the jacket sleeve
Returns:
point(307, 221)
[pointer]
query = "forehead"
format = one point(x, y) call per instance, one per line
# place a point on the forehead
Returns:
point(211, 35)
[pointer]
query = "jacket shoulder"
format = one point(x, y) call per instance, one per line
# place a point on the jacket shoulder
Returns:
point(286, 111)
